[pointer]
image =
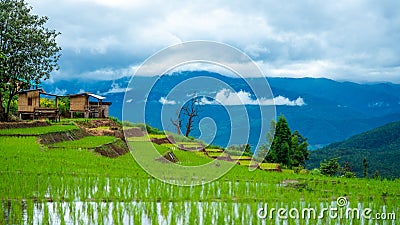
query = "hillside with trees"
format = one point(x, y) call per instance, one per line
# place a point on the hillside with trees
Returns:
point(380, 147)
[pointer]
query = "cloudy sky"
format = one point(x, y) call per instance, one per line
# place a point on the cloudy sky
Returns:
point(344, 40)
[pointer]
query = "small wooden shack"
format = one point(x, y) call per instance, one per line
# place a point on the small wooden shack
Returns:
point(29, 105)
point(80, 103)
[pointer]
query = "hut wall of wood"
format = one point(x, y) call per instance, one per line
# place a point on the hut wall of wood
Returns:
point(102, 107)
point(106, 110)
point(79, 103)
point(28, 101)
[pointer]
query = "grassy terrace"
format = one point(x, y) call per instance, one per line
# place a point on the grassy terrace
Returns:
point(214, 150)
point(101, 190)
point(217, 154)
point(240, 157)
point(190, 144)
point(38, 130)
point(267, 166)
point(247, 163)
point(86, 142)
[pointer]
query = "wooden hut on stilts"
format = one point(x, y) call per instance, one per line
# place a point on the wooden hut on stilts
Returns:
point(81, 103)
point(29, 106)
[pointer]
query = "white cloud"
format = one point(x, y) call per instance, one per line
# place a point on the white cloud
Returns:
point(227, 97)
point(164, 101)
point(280, 100)
point(296, 39)
point(60, 91)
point(115, 88)
point(109, 73)
point(205, 101)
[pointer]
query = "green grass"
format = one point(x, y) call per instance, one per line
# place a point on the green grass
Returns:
point(145, 146)
point(39, 130)
point(147, 137)
point(86, 142)
point(187, 158)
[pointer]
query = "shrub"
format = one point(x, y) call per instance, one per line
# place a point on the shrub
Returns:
point(349, 175)
point(315, 172)
point(115, 120)
point(153, 130)
point(331, 167)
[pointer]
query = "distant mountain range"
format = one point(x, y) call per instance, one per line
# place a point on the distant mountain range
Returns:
point(381, 147)
point(332, 111)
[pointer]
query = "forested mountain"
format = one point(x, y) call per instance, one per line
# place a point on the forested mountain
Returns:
point(381, 147)
point(332, 110)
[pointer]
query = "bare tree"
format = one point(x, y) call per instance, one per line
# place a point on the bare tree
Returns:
point(191, 110)
point(178, 122)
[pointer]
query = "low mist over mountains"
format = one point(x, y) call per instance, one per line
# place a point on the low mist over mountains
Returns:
point(323, 110)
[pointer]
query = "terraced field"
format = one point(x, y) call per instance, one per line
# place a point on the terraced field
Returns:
point(38, 130)
point(73, 184)
point(86, 142)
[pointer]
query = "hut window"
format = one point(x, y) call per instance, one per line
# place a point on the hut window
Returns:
point(29, 101)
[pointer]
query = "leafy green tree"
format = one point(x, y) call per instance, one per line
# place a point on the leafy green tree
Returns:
point(346, 167)
point(299, 149)
point(63, 105)
point(263, 153)
point(47, 103)
point(286, 148)
point(29, 51)
point(330, 168)
point(281, 145)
